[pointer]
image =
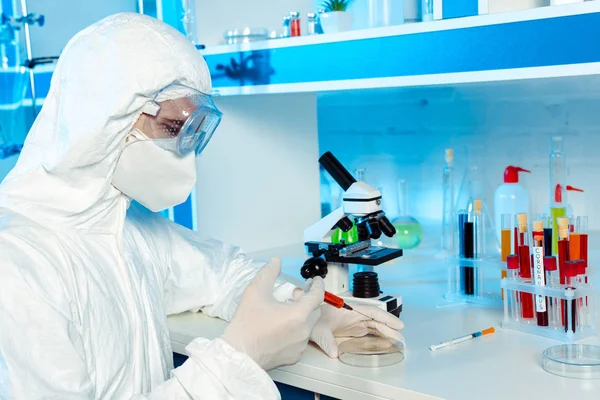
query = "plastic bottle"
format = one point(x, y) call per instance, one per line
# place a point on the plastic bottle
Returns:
point(510, 198)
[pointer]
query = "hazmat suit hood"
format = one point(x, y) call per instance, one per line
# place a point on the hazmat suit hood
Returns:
point(104, 77)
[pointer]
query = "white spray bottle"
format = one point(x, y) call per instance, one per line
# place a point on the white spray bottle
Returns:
point(510, 198)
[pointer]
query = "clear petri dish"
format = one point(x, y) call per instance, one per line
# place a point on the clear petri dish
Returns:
point(371, 352)
point(580, 361)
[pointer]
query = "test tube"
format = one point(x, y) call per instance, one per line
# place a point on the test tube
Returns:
point(548, 236)
point(516, 236)
point(582, 223)
point(512, 264)
point(525, 266)
point(479, 227)
point(506, 227)
point(463, 217)
point(571, 224)
point(468, 271)
point(563, 258)
point(571, 305)
point(505, 241)
point(574, 241)
point(553, 280)
point(537, 256)
point(582, 306)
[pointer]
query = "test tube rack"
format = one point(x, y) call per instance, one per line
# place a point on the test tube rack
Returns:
point(484, 275)
point(562, 302)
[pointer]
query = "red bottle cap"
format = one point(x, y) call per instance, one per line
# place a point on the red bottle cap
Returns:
point(511, 174)
point(512, 261)
point(571, 269)
point(558, 193)
point(550, 263)
point(580, 267)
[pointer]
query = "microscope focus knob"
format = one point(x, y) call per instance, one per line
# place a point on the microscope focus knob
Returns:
point(344, 224)
point(314, 266)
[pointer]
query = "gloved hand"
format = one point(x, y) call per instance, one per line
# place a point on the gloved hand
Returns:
point(339, 322)
point(270, 332)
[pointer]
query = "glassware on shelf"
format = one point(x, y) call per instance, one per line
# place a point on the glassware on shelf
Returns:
point(474, 186)
point(408, 230)
point(558, 177)
point(448, 205)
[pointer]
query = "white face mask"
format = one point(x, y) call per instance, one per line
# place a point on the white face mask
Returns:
point(155, 177)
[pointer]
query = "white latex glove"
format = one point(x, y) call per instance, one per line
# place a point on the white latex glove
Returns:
point(339, 323)
point(270, 332)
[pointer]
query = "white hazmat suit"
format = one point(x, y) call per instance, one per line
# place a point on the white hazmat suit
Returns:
point(87, 279)
point(84, 291)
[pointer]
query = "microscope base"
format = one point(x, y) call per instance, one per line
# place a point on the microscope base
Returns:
point(389, 303)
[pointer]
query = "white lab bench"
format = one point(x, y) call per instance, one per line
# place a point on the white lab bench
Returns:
point(504, 365)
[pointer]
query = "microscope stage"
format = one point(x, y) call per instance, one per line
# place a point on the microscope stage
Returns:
point(370, 256)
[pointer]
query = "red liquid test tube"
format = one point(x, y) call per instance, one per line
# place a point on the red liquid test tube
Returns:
point(539, 273)
point(563, 258)
point(525, 266)
point(525, 274)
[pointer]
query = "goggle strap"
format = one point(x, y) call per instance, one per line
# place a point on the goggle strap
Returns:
point(151, 108)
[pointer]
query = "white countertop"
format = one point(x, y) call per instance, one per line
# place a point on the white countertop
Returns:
point(504, 365)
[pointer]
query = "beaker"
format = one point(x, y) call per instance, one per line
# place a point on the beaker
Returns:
point(408, 230)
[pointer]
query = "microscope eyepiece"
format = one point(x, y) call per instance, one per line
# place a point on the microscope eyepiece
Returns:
point(373, 228)
point(386, 227)
point(344, 224)
point(337, 171)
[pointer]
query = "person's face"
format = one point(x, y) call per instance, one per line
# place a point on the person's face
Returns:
point(168, 122)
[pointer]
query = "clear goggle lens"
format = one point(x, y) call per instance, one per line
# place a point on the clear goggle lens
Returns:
point(191, 120)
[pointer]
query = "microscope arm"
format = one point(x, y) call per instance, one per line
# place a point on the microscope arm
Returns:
point(322, 230)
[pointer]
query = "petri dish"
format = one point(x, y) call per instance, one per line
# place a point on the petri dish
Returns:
point(579, 361)
point(371, 352)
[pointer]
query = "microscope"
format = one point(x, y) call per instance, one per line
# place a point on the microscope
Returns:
point(331, 261)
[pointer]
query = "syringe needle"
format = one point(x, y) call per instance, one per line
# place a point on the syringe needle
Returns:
point(347, 307)
point(338, 302)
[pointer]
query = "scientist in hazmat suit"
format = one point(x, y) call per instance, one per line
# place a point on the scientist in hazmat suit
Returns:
point(87, 279)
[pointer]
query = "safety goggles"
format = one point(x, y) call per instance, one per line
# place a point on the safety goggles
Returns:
point(191, 120)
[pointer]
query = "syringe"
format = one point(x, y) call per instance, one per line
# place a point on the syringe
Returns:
point(338, 302)
point(462, 339)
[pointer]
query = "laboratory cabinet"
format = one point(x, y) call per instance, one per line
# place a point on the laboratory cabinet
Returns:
point(287, 392)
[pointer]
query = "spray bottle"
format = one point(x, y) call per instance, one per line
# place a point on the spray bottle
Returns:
point(510, 198)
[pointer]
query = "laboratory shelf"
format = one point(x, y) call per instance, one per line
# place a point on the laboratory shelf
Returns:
point(534, 50)
point(549, 42)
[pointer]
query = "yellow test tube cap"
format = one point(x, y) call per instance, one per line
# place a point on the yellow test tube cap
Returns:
point(449, 155)
point(477, 205)
point(522, 221)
